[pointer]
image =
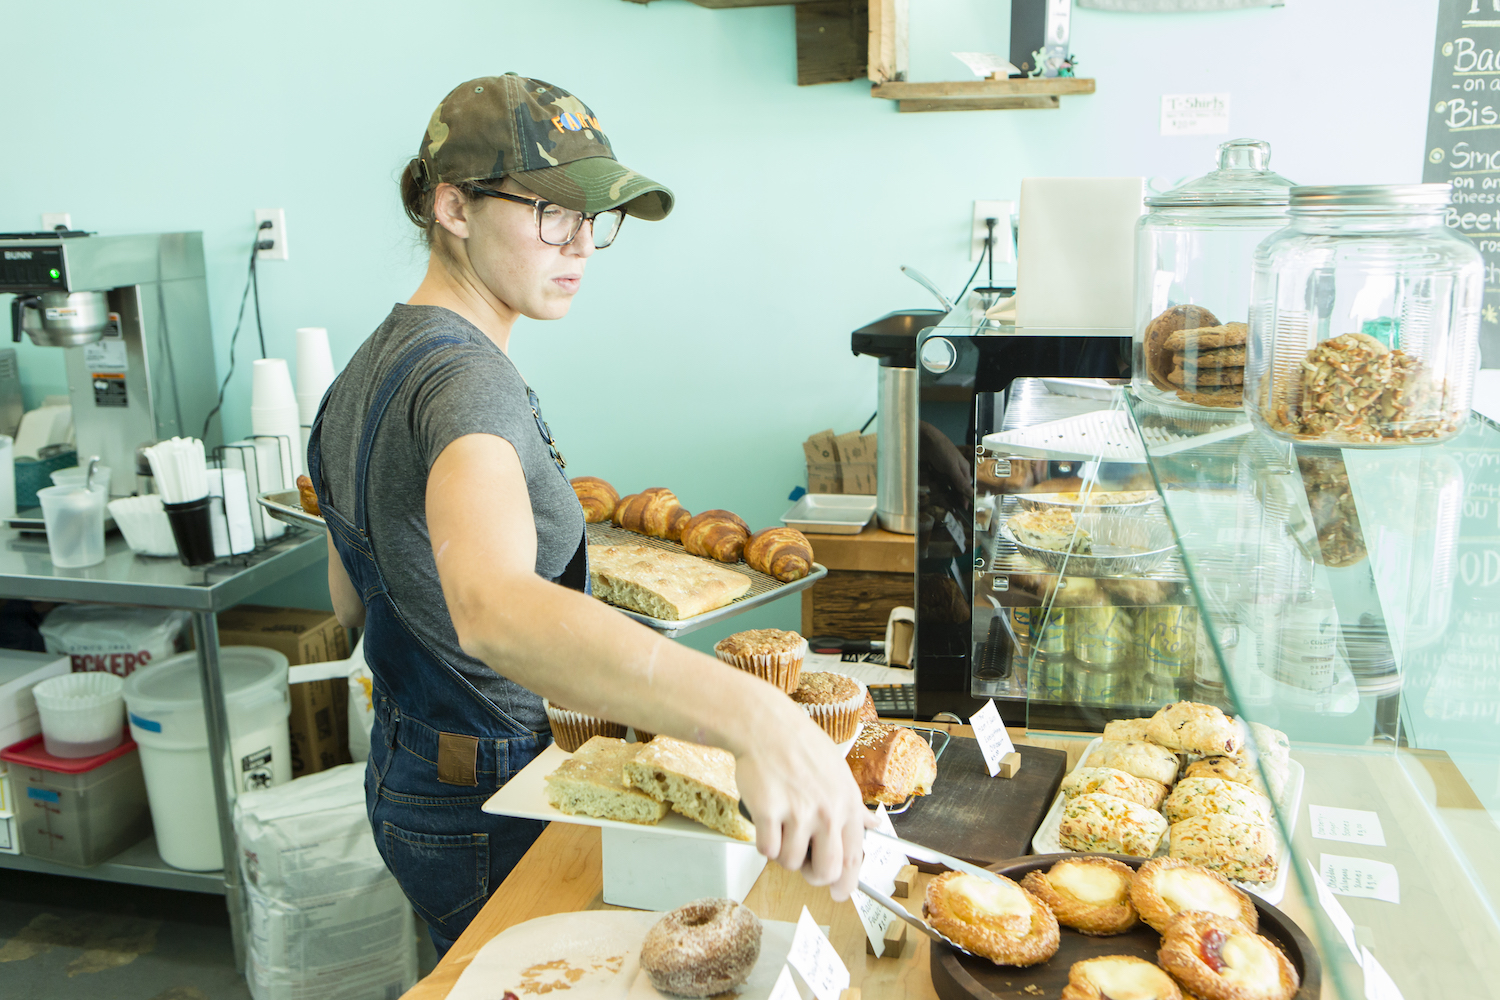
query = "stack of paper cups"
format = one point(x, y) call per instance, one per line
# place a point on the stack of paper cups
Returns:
point(236, 535)
point(263, 476)
point(274, 414)
point(314, 375)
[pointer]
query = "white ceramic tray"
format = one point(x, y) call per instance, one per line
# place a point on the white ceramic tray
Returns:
point(1044, 841)
point(831, 513)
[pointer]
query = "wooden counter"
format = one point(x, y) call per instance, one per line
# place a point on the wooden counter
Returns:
point(868, 574)
point(562, 873)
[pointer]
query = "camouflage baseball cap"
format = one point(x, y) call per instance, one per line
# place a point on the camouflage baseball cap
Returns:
point(540, 135)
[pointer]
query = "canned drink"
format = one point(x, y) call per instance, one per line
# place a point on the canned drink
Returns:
point(1099, 636)
point(1168, 635)
point(1077, 681)
point(1104, 687)
point(1049, 633)
point(1156, 689)
point(1021, 619)
point(1046, 677)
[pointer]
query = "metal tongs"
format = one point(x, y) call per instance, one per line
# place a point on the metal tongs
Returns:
point(917, 852)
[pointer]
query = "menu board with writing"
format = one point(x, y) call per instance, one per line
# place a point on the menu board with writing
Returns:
point(1463, 140)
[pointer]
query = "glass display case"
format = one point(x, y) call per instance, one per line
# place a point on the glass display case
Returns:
point(1347, 598)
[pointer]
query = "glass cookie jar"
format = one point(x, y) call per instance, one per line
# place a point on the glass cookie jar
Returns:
point(1194, 254)
point(1365, 319)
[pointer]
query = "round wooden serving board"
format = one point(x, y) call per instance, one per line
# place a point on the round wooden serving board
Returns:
point(962, 977)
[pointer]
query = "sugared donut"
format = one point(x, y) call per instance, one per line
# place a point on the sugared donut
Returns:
point(706, 947)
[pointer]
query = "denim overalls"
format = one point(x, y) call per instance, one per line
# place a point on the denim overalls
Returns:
point(439, 748)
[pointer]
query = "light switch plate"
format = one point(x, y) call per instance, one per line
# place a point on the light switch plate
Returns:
point(277, 233)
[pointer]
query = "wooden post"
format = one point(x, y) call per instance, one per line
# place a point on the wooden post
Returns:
point(831, 41)
point(888, 40)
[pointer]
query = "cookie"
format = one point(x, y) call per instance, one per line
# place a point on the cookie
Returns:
point(1224, 397)
point(1208, 376)
point(1169, 322)
point(1208, 337)
point(1218, 357)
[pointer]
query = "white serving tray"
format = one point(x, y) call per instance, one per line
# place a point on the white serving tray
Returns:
point(831, 513)
point(1044, 841)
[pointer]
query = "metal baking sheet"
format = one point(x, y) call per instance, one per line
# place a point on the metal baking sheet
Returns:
point(1123, 546)
point(763, 589)
point(831, 513)
point(286, 505)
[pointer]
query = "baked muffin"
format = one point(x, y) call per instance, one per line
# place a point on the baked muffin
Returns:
point(1108, 823)
point(833, 701)
point(1144, 760)
point(1114, 782)
point(1234, 847)
point(1196, 729)
point(1090, 895)
point(1216, 796)
point(1165, 887)
point(571, 730)
point(1222, 959)
point(998, 921)
point(1119, 976)
point(768, 653)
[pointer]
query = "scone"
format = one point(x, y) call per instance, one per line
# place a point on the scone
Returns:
point(1053, 528)
point(891, 764)
point(592, 783)
point(1215, 797)
point(1108, 823)
point(1222, 959)
point(1236, 848)
point(1144, 760)
point(1270, 743)
point(1124, 730)
point(998, 921)
point(1113, 976)
point(1196, 729)
point(1090, 895)
point(1114, 782)
point(1165, 887)
point(1243, 772)
point(696, 781)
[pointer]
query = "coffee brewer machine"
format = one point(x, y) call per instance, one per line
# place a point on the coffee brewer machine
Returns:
point(131, 313)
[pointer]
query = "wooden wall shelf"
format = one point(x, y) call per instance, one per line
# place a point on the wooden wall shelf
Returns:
point(982, 95)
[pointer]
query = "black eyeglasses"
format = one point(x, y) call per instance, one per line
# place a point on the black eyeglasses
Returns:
point(557, 226)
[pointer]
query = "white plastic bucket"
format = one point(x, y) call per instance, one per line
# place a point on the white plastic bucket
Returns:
point(82, 715)
point(165, 707)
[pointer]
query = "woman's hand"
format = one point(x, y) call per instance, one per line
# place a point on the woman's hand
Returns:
point(805, 804)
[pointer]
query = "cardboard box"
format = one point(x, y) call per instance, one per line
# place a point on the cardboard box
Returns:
point(821, 451)
point(319, 720)
point(842, 463)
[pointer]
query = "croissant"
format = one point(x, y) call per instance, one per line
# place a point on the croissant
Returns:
point(307, 496)
point(618, 515)
point(597, 497)
point(784, 553)
point(716, 534)
point(654, 512)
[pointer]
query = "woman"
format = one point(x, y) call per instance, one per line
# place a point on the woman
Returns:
point(457, 542)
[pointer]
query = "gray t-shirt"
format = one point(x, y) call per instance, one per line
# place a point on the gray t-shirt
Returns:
point(471, 388)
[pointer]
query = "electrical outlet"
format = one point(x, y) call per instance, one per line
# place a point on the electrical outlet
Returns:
point(276, 234)
point(1005, 250)
point(51, 220)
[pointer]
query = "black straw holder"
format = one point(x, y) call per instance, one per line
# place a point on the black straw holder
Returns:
point(192, 530)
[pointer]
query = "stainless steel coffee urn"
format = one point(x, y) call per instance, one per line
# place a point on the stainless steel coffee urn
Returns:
point(893, 339)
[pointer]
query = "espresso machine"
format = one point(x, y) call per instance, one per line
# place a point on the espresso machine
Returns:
point(131, 313)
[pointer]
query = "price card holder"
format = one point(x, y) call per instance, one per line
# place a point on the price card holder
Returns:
point(994, 741)
point(815, 960)
point(785, 989)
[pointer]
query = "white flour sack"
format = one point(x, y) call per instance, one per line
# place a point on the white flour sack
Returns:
point(112, 639)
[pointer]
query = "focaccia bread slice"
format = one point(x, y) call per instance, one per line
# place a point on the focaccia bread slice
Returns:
point(1144, 760)
point(1100, 822)
point(1205, 796)
point(662, 584)
point(1113, 781)
point(1234, 847)
point(592, 783)
point(696, 781)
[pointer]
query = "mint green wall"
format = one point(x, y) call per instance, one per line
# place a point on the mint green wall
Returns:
point(703, 349)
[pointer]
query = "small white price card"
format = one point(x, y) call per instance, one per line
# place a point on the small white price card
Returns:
point(994, 741)
point(1354, 826)
point(1378, 983)
point(815, 960)
point(1360, 877)
point(883, 859)
point(1336, 913)
point(1194, 114)
point(875, 919)
point(784, 989)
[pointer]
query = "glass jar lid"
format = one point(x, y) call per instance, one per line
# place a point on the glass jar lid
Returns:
point(1244, 179)
point(1417, 196)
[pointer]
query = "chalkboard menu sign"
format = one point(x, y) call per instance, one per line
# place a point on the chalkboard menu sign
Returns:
point(1463, 140)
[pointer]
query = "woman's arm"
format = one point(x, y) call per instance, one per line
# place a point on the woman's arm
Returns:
point(347, 605)
point(580, 653)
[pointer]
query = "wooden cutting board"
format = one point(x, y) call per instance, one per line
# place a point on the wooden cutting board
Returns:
point(981, 819)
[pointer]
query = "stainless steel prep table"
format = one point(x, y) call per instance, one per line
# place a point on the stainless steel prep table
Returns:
point(27, 573)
